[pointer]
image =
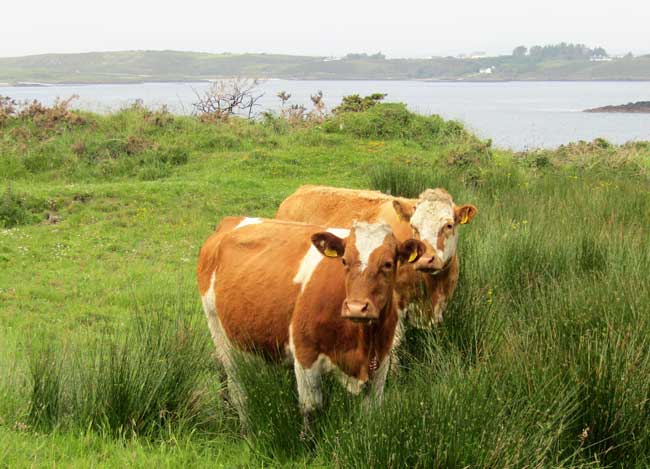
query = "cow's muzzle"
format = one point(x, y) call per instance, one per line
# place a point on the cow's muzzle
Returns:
point(359, 311)
point(431, 265)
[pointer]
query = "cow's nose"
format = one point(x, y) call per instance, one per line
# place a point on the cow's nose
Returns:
point(429, 263)
point(358, 310)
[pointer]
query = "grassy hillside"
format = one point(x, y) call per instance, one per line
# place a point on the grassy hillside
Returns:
point(105, 357)
point(138, 66)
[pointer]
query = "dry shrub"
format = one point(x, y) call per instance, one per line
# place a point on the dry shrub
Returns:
point(213, 117)
point(49, 117)
point(79, 148)
point(318, 112)
point(294, 114)
point(7, 109)
point(135, 145)
point(227, 98)
point(20, 133)
point(159, 117)
point(297, 113)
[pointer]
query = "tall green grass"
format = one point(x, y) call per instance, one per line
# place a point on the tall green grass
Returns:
point(542, 359)
point(155, 375)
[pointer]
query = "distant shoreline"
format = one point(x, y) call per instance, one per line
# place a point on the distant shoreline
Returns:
point(206, 80)
point(118, 67)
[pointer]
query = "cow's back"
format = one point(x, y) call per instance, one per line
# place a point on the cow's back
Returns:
point(251, 269)
point(334, 206)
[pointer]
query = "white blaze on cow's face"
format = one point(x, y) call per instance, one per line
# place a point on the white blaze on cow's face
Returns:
point(368, 237)
point(370, 255)
point(435, 221)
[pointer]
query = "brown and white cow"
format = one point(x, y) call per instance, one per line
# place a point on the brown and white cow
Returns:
point(267, 286)
point(433, 218)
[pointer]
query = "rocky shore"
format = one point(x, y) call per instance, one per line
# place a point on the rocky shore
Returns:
point(632, 108)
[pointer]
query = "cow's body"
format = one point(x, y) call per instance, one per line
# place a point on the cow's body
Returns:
point(265, 287)
point(334, 206)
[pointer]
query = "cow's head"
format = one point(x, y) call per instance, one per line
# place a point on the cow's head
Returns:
point(370, 255)
point(434, 219)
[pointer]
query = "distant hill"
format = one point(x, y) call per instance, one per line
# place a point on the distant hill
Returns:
point(140, 66)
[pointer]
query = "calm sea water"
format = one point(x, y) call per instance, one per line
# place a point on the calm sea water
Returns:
point(517, 115)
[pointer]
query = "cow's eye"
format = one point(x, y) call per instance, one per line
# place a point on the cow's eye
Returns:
point(388, 265)
point(344, 262)
point(450, 226)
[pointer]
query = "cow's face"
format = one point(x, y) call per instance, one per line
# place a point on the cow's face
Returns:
point(434, 220)
point(370, 255)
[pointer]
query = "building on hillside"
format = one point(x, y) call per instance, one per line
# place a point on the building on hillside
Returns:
point(600, 58)
point(486, 71)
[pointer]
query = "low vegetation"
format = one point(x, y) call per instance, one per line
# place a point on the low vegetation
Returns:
point(543, 358)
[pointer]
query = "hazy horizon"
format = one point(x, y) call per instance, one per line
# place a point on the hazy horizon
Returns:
point(292, 27)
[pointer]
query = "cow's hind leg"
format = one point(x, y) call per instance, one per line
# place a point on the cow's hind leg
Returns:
point(225, 354)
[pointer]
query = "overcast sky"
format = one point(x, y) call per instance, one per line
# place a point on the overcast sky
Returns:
point(402, 28)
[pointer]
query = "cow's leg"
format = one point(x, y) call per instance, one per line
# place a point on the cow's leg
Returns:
point(225, 354)
point(310, 396)
point(397, 340)
point(379, 380)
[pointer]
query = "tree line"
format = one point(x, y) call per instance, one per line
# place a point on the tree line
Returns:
point(563, 50)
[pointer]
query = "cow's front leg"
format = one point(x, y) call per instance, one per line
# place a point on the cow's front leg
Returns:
point(379, 380)
point(310, 396)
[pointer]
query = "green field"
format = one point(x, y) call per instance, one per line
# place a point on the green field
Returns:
point(105, 357)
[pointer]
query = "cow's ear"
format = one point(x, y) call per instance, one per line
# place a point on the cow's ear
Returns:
point(410, 250)
point(403, 209)
point(328, 244)
point(465, 213)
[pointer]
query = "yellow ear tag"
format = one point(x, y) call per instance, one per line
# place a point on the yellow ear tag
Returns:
point(413, 256)
point(329, 252)
point(464, 220)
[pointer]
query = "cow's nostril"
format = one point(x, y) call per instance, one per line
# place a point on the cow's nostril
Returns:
point(365, 308)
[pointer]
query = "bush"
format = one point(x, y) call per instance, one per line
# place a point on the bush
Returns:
point(355, 103)
point(13, 210)
point(395, 121)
